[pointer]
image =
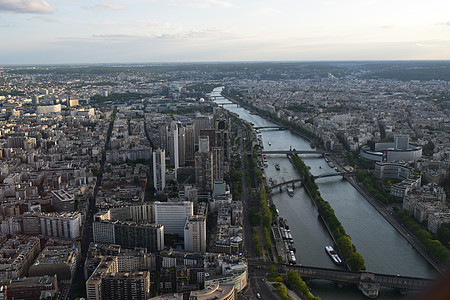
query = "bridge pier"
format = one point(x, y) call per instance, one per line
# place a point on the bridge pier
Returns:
point(368, 286)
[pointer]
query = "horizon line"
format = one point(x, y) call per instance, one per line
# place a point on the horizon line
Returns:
point(224, 62)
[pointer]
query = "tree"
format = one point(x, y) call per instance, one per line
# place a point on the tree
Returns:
point(272, 269)
point(444, 234)
point(345, 244)
point(356, 262)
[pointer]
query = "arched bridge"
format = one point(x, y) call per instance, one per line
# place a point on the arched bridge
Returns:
point(345, 174)
point(293, 151)
point(270, 127)
point(367, 278)
point(293, 181)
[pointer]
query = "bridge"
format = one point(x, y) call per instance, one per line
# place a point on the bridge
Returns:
point(293, 181)
point(367, 282)
point(270, 127)
point(332, 174)
point(287, 152)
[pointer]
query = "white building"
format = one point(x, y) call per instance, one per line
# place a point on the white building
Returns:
point(48, 109)
point(66, 225)
point(173, 215)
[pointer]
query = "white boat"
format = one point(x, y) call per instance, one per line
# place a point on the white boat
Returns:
point(270, 144)
point(334, 256)
point(290, 192)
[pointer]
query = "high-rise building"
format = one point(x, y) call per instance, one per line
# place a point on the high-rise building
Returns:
point(173, 215)
point(203, 144)
point(218, 164)
point(118, 286)
point(159, 170)
point(129, 234)
point(202, 122)
point(195, 234)
point(182, 146)
point(173, 147)
point(401, 142)
point(189, 144)
point(163, 136)
point(204, 177)
point(223, 140)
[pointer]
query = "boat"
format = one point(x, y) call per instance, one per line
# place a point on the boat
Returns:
point(265, 161)
point(334, 256)
point(277, 166)
point(290, 192)
point(270, 144)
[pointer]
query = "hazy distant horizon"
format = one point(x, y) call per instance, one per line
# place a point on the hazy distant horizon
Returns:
point(37, 32)
point(162, 63)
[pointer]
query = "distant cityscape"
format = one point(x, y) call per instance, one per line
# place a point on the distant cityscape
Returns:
point(138, 181)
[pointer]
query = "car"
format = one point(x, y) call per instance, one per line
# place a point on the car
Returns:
point(258, 296)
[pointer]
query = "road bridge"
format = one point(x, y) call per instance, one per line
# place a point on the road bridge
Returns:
point(287, 152)
point(367, 282)
point(293, 181)
point(332, 174)
point(270, 127)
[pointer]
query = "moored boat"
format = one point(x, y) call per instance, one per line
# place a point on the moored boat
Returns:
point(290, 192)
point(334, 256)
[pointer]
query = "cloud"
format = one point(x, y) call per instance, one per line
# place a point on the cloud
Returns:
point(268, 11)
point(197, 3)
point(25, 6)
point(387, 27)
point(443, 24)
point(106, 5)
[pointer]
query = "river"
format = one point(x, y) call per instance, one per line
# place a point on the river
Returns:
point(383, 248)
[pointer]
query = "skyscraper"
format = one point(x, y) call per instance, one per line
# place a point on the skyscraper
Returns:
point(204, 177)
point(159, 170)
point(189, 145)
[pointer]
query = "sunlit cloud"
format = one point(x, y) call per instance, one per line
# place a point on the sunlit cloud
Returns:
point(25, 6)
point(106, 5)
point(197, 3)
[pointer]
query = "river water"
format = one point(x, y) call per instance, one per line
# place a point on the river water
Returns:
point(383, 248)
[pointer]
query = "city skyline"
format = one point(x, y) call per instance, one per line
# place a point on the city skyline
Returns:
point(79, 31)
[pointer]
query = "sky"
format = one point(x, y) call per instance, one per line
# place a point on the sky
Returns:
point(145, 31)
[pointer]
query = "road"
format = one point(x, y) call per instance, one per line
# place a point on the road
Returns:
point(86, 233)
point(248, 234)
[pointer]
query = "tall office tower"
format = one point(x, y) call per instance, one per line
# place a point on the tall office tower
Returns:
point(222, 139)
point(203, 144)
point(204, 177)
point(211, 133)
point(173, 147)
point(173, 215)
point(181, 146)
point(202, 122)
point(189, 145)
point(159, 170)
point(163, 136)
point(195, 234)
point(218, 163)
point(401, 142)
